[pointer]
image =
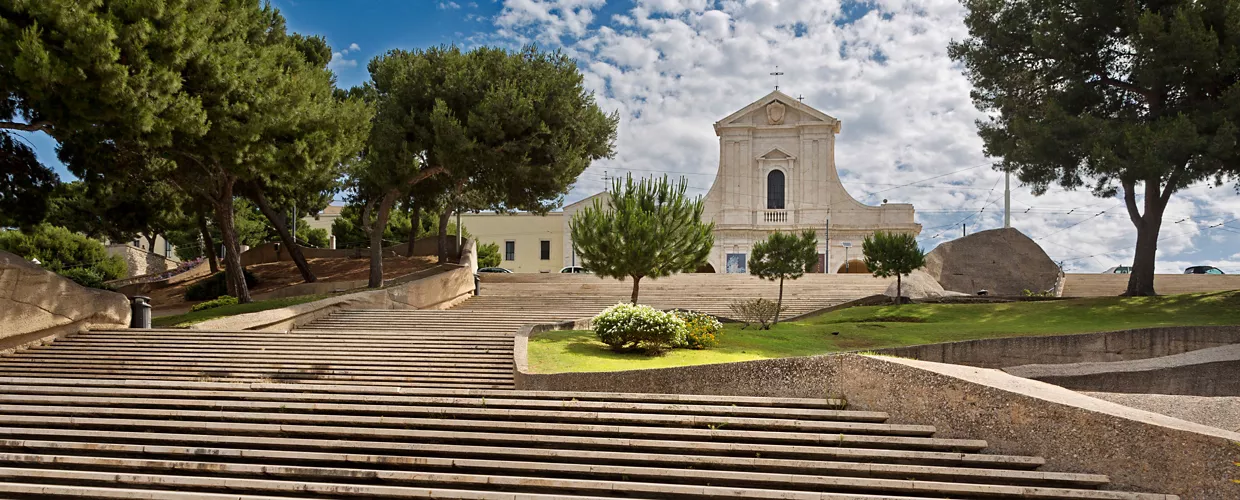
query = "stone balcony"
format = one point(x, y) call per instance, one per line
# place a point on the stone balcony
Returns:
point(774, 217)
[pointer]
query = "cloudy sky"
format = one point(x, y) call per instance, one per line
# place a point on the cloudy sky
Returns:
point(671, 68)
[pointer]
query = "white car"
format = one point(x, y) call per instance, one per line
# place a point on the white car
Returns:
point(574, 270)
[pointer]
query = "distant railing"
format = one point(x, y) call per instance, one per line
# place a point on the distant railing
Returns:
point(774, 217)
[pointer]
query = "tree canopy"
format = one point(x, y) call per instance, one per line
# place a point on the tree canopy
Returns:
point(1142, 97)
point(784, 256)
point(648, 228)
point(512, 128)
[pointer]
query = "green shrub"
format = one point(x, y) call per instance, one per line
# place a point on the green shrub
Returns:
point(759, 311)
point(701, 330)
point(226, 300)
point(214, 286)
point(626, 326)
point(488, 255)
point(315, 237)
point(85, 276)
point(62, 251)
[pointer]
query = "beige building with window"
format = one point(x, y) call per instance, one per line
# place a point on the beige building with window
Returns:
point(777, 172)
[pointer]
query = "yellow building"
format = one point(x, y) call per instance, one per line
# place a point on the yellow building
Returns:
point(527, 243)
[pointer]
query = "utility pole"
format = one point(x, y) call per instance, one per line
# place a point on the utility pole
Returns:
point(460, 232)
point(826, 254)
point(1007, 199)
point(963, 230)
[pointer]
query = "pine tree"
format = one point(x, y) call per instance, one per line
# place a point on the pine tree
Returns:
point(892, 254)
point(647, 229)
point(1141, 96)
point(784, 256)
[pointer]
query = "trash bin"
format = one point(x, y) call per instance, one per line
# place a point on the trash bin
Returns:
point(477, 285)
point(141, 308)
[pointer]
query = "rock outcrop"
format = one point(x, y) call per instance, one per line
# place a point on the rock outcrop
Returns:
point(34, 302)
point(918, 285)
point(1001, 261)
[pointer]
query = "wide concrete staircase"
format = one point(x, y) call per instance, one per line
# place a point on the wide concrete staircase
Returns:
point(436, 357)
point(1111, 285)
point(149, 438)
point(586, 294)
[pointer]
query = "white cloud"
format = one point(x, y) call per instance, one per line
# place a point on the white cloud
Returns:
point(353, 47)
point(449, 5)
point(674, 67)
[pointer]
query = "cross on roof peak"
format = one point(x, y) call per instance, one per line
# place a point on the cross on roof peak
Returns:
point(777, 73)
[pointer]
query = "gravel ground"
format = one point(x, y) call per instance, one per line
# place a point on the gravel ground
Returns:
point(1221, 412)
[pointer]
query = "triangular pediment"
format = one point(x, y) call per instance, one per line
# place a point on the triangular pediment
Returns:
point(777, 154)
point(794, 113)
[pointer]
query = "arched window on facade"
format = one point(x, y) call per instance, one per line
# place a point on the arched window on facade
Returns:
point(775, 190)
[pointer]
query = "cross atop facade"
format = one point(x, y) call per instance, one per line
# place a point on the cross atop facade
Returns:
point(801, 98)
point(777, 73)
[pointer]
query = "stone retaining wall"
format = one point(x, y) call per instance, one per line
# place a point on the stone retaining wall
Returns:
point(265, 253)
point(1058, 349)
point(1139, 450)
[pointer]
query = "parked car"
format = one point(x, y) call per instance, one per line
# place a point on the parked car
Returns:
point(573, 270)
point(494, 270)
point(1118, 270)
point(1203, 270)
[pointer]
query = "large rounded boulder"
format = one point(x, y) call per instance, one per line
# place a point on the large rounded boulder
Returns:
point(1000, 261)
point(917, 286)
point(35, 302)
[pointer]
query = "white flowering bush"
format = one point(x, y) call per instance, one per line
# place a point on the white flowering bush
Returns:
point(626, 326)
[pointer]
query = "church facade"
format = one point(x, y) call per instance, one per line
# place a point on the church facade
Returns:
point(776, 172)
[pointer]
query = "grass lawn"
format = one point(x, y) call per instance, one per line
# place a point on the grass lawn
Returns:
point(861, 328)
point(190, 318)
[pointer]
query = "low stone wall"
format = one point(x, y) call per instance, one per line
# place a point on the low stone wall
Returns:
point(38, 305)
point(1058, 349)
point(440, 287)
point(1139, 450)
point(141, 262)
point(1204, 372)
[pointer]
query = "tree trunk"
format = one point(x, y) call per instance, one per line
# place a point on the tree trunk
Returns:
point(375, 230)
point(443, 235)
point(277, 220)
point(779, 304)
point(208, 244)
point(150, 241)
point(234, 274)
point(415, 217)
point(1141, 281)
point(636, 281)
point(898, 286)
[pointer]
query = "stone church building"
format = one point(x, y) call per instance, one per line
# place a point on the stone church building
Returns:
point(776, 172)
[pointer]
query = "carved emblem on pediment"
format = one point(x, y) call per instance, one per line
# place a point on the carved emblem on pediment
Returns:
point(775, 112)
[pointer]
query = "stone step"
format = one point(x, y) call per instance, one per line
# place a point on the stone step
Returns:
point(499, 354)
point(119, 396)
point(50, 358)
point(536, 460)
point(360, 366)
point(258, 372)
point(635, 480)
point(504, 341)
point(400, 383)
point(822, 434)
point(559, 396)
point(410, 371)
point(462, 348)
point(10, 401)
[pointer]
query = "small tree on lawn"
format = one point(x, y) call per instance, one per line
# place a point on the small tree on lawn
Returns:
point(648, 229)
point(784, 256)
point(892, 254)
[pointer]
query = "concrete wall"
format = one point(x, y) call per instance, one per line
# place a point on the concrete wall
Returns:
point(526, 232)
point(1057, 349)
point(1139, 450)
point(1210, 372)
point(36, 304)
